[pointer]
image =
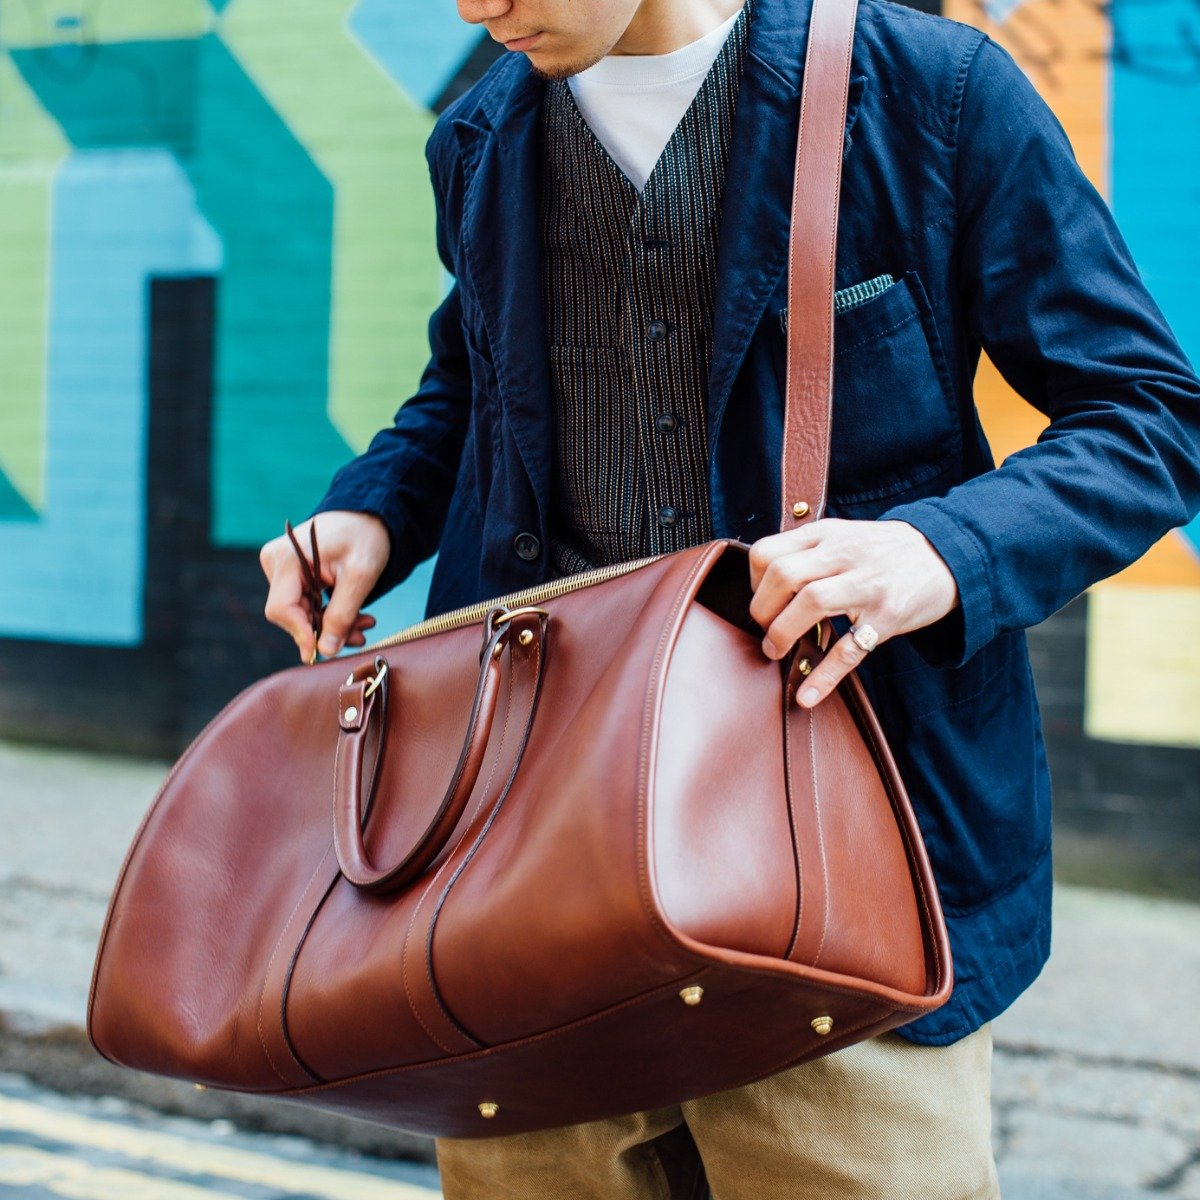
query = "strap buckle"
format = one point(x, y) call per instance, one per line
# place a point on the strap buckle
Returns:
point(503, 615)
point(373, 682)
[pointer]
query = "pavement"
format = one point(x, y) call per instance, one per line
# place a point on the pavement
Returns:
point(1096, 1078)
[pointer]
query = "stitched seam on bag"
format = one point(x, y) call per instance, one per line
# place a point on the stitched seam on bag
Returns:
point(788, 765)
point(512, 775)
point(404, 972)
point(433, 920)
point(262, 1041)
point(654, 689)
point(904, 832)
point(534, 1039)
point(581, 1023)
point(412, 1004)
point(812, 767)
point(289, 976)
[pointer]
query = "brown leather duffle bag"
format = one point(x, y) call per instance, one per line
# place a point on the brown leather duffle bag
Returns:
point(567, 854)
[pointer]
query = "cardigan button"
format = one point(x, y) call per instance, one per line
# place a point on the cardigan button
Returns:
point(668, 516)
point(657, 331)
point(527, 546)
point(666, 422)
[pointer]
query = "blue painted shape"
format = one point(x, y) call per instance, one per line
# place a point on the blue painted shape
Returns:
point(401, 607)
point(135, 93)
point(274, 448)
point(1191, 536)
point(13, 506)
point(420, 46)
point(119, 217)
point(1155, 169)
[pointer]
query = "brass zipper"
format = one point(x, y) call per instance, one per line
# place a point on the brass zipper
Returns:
point(473, 613)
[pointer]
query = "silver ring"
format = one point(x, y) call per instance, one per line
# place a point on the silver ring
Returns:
point(864, 636)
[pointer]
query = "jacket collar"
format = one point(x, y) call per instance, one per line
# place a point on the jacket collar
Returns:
point(502, 161)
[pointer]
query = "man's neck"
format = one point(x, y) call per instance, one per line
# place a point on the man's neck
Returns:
point(661, 26)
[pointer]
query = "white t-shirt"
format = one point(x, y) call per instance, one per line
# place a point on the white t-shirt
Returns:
point(633, 102)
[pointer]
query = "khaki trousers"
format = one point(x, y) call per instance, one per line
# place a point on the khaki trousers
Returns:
point(880, 1120)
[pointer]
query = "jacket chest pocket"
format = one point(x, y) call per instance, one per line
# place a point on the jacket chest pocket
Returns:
point(894, 420)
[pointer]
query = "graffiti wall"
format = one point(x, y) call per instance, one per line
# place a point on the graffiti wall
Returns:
point(216, 236)
point(216, 233)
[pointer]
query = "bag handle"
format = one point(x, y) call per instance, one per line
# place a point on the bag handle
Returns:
point(808, 407)
point(364, 695)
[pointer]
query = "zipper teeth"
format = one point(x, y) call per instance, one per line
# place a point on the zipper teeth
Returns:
point(476, 612)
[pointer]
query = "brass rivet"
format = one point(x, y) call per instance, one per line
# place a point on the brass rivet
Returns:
point(351, 713)
point(525, 637)
point(497, 650)
point(800, 508)
point(200, 1087)
point(822, 1025)
point(488, 1109)
point(692, 995)
point(804, 667)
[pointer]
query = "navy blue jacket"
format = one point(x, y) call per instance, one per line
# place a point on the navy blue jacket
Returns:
point(960, 182)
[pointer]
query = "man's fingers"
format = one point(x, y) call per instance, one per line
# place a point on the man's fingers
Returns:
point(767, 549)
point(783, 577)
point(813, 601)
point(285, 608)
point(358, 635)
point(351, 585)
point(844, 655)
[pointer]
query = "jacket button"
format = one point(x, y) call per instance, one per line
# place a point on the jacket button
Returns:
point(527, 546)
point(666, 422)
point(668, 515)
point(656, 331)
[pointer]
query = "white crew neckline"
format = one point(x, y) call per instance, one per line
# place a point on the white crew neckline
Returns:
point(649, 72)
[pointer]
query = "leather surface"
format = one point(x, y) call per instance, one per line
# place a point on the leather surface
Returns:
point(490, 878)
point(808, 406)
point(627, 835)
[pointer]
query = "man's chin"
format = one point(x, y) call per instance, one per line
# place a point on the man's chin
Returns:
point(553, 70)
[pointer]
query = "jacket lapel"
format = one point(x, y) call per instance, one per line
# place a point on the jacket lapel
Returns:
point(756, 201)
point(501, 248)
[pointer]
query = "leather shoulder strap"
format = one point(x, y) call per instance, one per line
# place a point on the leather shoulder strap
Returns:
point(809, 396)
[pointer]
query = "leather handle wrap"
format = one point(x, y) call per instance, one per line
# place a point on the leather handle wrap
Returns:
point(359, 712)
point(808, 410)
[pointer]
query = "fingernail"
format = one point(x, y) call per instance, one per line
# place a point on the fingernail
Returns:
point(808, 697)
point(329, 646)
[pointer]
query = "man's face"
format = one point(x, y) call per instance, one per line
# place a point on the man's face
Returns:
point(559, 37)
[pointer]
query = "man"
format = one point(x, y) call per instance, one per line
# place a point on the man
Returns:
point(606, 380)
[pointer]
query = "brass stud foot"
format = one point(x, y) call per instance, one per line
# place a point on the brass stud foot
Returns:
point(692, 995)
point(525, 637)
point(200, 1087)
point(800, 508)
point(822, 1025)
point(488, 1109)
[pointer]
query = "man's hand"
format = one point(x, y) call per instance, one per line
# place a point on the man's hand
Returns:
point(354, 551)
point(886, 573)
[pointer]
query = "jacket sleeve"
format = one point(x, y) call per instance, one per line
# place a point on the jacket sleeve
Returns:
point(1048, 287)
point(406, 475)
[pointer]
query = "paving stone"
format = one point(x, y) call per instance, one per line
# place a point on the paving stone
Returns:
point(1189, 1185)
point(1016, 1185)
point(1121, 983)
point(1063, 1084)
point(1089, 1151)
